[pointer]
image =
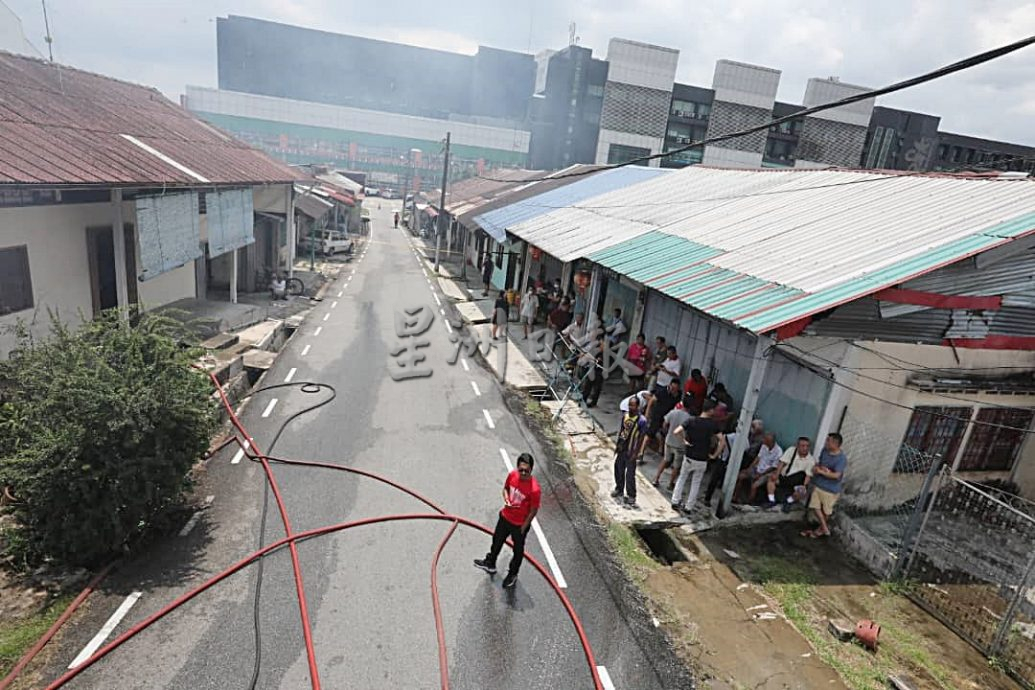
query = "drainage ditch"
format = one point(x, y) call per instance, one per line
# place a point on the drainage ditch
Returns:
point(661, 546)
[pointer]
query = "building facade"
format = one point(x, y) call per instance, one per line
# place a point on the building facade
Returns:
point(564, 114)
point(637, 100)
point(687, 122)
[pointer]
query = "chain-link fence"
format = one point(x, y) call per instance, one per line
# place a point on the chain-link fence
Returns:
point(964, 550)
point(969, 562)
point(883, 481)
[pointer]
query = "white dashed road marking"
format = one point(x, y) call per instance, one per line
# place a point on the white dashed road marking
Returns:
point(475, 387)
point(605, 678)
point(305, 351)
point(240, 451)
point(318, 330)
point(106, 630)
point(290, 375)
point(269, 408)
point(326, 316)
point(464, 362)
point(488, 419)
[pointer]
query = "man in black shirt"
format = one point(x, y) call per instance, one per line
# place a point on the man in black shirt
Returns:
point(664, 402)
point(699, 433)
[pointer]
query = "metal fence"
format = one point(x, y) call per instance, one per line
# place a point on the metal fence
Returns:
point(968, 559)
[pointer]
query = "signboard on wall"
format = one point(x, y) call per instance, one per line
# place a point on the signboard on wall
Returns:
point(168, 228)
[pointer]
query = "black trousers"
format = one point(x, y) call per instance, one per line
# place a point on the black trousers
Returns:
point(625, 474)
point(505, 529)
point(592, 388)
point(718, 473)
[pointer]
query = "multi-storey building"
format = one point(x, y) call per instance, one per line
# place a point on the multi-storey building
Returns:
point(564, 115)
point(637, 100)
point(309, 96)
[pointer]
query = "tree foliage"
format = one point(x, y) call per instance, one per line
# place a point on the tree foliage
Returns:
point(99, 427)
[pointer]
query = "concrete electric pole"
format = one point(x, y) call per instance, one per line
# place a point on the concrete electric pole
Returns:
point(440, 230)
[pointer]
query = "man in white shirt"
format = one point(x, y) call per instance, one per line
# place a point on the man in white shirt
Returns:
point(278, 287)
point(795, 471)
point(615, 328)
point(575, 332)
point(766, 463)
point(668, 370)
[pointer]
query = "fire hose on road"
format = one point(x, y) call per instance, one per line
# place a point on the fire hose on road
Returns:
point(292, 538)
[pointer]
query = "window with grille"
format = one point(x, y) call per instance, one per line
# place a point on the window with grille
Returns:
point(932, 432)
point(15, 281)
point(996, 439)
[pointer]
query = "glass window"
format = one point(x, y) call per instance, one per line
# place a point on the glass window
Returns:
point(595, 90)
point(704, 110)
point(15, 281)
point(933, 431)
point(943, 151)
point(996, 441)
point(617, 153)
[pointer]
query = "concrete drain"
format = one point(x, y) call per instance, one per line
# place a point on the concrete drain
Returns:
point(661, 545)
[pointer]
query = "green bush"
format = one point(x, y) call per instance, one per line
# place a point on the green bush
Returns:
point(99, 427)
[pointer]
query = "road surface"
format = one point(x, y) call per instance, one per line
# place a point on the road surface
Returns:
point(367, 589)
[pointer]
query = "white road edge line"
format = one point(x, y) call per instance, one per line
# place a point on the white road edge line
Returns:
point(548, 552)
point(475, 387)
point(269, 408)
point(290, 375)
point(488, 419)
point(106, 630)
point(305, 351)
point(240, 451)
point(605, 678)
point(464, 362)
point(318, 330)
point(506, 460)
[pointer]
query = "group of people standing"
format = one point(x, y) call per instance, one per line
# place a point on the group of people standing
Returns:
point(694, 432)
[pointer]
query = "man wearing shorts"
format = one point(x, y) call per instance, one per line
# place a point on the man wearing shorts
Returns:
point(827, 482)
point(674, 445)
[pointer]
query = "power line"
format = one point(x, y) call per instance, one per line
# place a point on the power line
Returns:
point(946, 70)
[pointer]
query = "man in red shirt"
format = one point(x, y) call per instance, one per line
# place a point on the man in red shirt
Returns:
point(697, 387)
point(521, 496)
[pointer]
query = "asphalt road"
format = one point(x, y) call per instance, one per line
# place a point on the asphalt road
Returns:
point(368, 589)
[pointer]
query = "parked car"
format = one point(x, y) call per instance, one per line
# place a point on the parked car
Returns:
point(328, 242)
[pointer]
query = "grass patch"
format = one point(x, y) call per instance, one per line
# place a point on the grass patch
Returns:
point(629, 549)
point(18, 635)
point(793, 586)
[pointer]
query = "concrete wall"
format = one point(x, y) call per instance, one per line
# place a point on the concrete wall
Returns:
point(60, 269)
point(874, 428)
point(58, 264)
point(168, 287)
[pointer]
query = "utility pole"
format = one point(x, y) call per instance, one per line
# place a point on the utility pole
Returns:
point(442, 205)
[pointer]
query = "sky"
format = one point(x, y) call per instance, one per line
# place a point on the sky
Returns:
point(171, 43)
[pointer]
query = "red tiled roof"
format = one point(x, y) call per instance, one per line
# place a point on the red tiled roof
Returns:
point(64, 126)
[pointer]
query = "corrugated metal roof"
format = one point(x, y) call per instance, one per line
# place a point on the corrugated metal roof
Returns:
point(761, 248)
point(64, 126)
point(482, 188)
point(496, 222)
point(524, 189)
point(1012, 276)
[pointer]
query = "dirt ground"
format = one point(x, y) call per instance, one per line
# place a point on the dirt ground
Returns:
point(750, 609)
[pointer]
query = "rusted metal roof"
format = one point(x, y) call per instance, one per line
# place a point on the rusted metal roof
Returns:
point(64, 126)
